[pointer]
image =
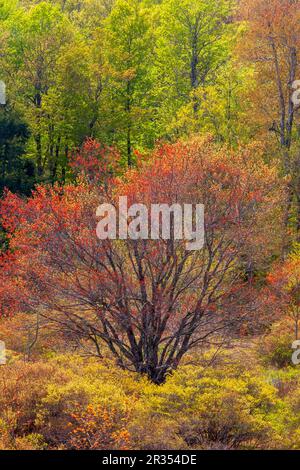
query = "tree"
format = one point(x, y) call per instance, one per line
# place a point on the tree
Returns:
point(17, 172)
point(33, 42)
point(97, 163)
point(272, 44)
point(72, 107)
point(148, 301)
point(284, 282)
point(223, 107)
point(129, 44)
point(193, 42)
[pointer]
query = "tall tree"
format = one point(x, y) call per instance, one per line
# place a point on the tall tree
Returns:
point(129, 51)
point(192, 45)
point(35, 37)
point(148, 301)
point(272, 44)
point(16, 172)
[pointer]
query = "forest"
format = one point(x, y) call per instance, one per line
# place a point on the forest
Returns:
point(136, 342)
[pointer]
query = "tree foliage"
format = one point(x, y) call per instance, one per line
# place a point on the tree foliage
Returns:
point(148, 301)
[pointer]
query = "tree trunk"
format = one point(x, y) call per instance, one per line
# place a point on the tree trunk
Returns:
point(128, 138)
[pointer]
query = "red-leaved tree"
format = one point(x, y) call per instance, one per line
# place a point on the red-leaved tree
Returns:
point(148, 301)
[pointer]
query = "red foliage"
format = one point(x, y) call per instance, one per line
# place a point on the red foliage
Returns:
point(98, 163)
point(99, 428)
point(284, 282)
point(149, 301)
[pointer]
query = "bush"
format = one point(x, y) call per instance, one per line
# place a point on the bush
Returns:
point(276, 347)
point(99, 428)
point(22, 388)
point(216, 409)
point(41, 404)
point(70, 402)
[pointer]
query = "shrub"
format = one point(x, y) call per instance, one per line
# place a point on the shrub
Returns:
point(22, 387)
point(99, 428)
point(276, 347)
point(216, 409)
point(69, 402)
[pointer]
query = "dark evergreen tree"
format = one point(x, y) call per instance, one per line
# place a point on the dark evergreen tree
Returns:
point(16, 172)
